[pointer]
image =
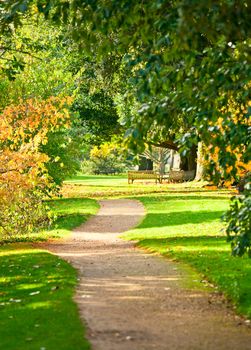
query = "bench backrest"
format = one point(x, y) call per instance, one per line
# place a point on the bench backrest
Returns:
point(181, 175)
point(143, 174)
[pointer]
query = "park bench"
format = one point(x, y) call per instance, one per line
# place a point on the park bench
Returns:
point(181, 175)
point(143, 175)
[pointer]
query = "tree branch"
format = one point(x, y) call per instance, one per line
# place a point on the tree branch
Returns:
point(166, 144)
point(5, 48)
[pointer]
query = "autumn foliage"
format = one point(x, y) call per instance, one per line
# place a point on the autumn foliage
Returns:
point(23, 175)
point(230, 158)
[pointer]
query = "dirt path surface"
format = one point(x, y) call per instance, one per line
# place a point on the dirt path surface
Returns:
point(131, 300)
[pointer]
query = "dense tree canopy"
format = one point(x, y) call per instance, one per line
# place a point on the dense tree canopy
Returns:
point(178, 71)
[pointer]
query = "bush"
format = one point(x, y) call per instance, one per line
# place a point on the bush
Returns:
point(23, 212)
point(87, 167)
point(238, 219)
point(106, 159)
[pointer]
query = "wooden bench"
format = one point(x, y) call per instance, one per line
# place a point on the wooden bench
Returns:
point(143, 175)
point(181, 175)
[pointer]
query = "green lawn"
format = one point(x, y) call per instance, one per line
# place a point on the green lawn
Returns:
point(182, 223)
point(36, 307)
point(71, 212)
point(106, 186)
point(187, 228)
point(36, 287)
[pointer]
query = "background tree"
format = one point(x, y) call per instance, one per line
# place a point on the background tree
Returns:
point(45, 72)
point(159, 157)
point(188, 63)
point(108, 158)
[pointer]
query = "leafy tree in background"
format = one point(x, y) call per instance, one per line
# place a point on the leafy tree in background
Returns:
point(97, 115)
point(107, 158)
point(188, 62)
point(44, 73)
point(159, 156)
point(39, 147)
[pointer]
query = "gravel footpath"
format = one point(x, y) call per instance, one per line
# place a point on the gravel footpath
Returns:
point(131, 300)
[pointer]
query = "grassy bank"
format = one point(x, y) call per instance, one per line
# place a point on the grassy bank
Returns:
point(188, 228)
point(105, 186)
point(182, 223)
point(70, 212)
point(36, 306)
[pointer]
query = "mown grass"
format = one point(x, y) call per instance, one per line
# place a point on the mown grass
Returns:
point(70, 213)
point(106, 186)
point(36, 306)
point(182, 222)
point(188, 228)
point(36, 287)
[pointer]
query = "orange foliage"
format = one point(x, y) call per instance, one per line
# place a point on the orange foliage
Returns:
point(23, 128)
point(237, 114)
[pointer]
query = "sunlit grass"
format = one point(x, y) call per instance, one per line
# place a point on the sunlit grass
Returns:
point(188, 228)
point(183, 222)
point(106, 186)
point(36, 306)
point(70, 212)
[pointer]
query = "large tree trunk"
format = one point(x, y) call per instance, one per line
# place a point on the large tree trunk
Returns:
point(200, 170)
point(192, 158)
point(189, 162)
point(145, 164)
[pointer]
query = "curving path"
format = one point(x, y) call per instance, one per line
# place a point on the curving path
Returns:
point(131, 300)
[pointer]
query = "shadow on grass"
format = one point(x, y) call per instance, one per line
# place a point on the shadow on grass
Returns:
point(60, 227)
point(68, 222)
point(36, 295)
point(71, 213)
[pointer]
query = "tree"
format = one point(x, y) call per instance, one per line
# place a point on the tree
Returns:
point(97, 115)
point(188, 61)
point(108, 158)
point(24, 179)
point(45, 72)
point(159, 156)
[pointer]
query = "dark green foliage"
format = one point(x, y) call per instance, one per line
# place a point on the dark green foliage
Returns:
point(64, 152)
point(97, 115)
point(238, 230)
